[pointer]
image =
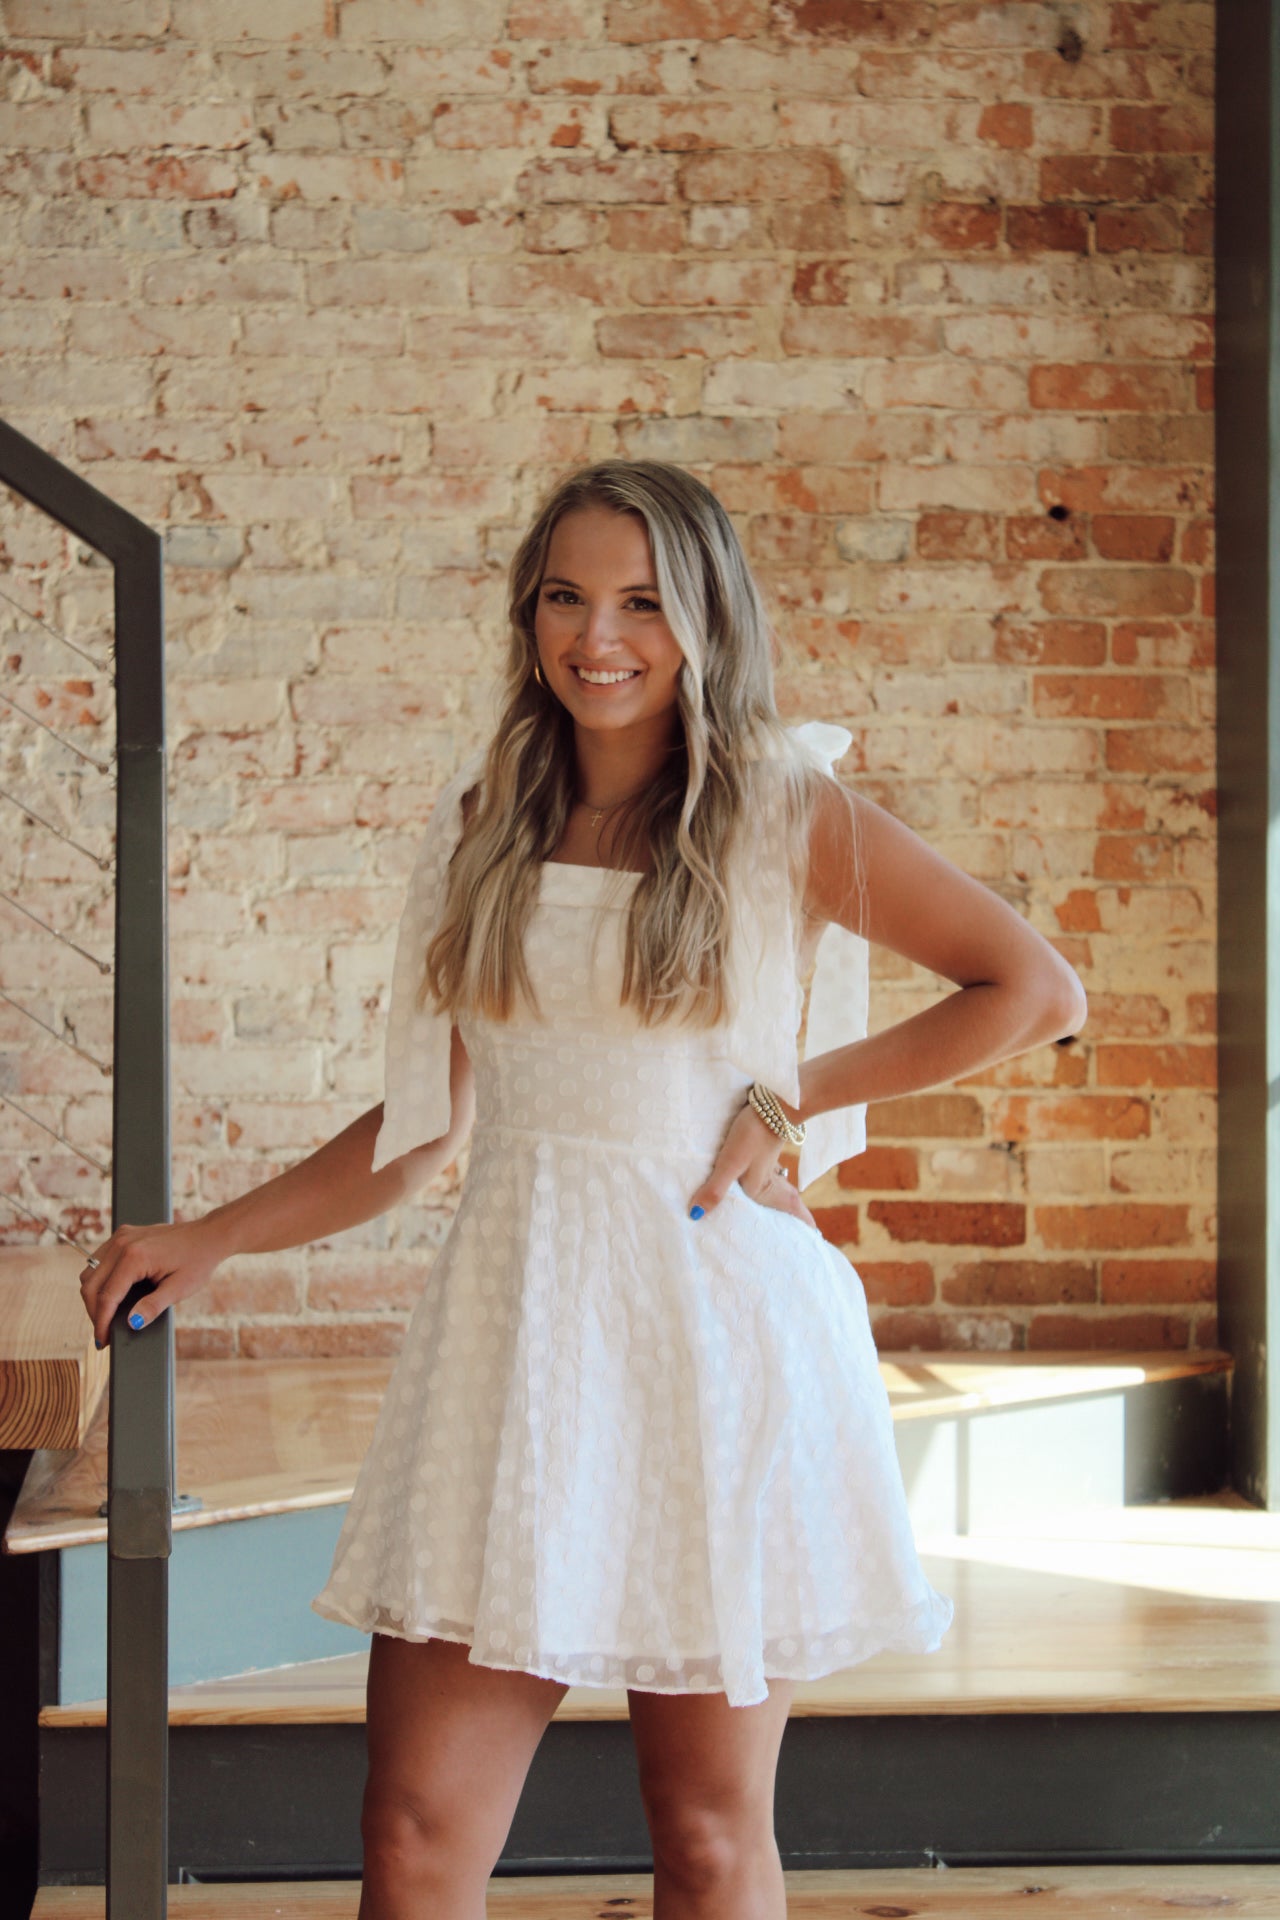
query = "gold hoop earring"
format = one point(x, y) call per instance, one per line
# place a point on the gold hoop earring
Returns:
point(537, 674)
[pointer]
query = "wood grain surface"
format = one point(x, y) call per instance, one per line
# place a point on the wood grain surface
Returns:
point(51, 1374)
point(266, 1436)
point(918, 1893)
point(1154, 1609)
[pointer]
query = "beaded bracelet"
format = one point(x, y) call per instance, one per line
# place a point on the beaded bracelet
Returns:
point(766, 1105)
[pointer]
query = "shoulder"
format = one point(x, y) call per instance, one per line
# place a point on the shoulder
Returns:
point(837, 854)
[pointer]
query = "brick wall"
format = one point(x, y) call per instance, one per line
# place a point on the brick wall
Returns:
point(332, 288)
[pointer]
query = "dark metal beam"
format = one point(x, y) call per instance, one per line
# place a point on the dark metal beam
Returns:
point(141, 1475)
point(141, 1470)
point(1248, 525)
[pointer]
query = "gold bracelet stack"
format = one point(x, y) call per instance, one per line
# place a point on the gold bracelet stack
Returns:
point(766, 1105)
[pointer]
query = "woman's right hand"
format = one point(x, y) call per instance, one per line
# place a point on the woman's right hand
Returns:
point(179, 1257)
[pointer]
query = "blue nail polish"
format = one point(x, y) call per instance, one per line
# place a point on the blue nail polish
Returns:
point(696, 1213)
point(137, 1322)
point(99, 1344)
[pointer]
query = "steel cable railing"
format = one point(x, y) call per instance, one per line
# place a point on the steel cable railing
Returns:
point(141, 1408)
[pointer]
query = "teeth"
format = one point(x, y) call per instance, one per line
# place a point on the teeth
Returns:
point(603, 679)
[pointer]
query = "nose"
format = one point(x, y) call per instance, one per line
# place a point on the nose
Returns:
point(599, 632)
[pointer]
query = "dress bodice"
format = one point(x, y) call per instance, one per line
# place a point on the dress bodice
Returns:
point(574, 950)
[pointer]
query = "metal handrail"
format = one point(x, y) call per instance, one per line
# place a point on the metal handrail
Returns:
point(140, 1474)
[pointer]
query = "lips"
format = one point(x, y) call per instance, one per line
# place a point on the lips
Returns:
point(629, 673)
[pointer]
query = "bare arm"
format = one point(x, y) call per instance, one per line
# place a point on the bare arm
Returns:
point(329, 1191)
point(1016, 991)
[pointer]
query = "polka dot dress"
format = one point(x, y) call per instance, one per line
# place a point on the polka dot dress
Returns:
point(621, 1447)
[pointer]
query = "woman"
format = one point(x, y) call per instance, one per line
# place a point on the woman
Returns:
point(636, 1434)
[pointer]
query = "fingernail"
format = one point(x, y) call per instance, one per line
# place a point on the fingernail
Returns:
point(99, 1344)
point(696, 1213)
point(137, 1322)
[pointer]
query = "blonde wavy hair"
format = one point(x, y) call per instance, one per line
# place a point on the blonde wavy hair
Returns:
point(694, 820)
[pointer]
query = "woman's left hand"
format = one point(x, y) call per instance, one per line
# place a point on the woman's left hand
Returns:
point(749, 1155)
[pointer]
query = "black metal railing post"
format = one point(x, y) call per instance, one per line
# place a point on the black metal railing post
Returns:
point(141, 1477)
point(141, 1449)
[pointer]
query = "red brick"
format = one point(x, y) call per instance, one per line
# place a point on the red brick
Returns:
point(688, 126)
point(858, 335)
point(958, 536)
point(1121, 1064)
point(631, 177)
point(886, 1168)
point(1078, 913)
point(1140, 1016)
point(1129, 1223)
point(1104, 696)
point(1162, 129)
point(202, 1343)
point(1078, 1116)
point(648, 230)
point(1161, 750)
point(1168, 1282)
point(1098, 177)
point(1117, 1333)
point(906, 1332)
point(961, 226)
point(839, 1225)
point(1202, 1013)
point(981, 1223)
point(382, 1284)
point(315, 1340)
point(790, 538)
point(1197, 231)
point(1007, 124)
point(1019, 1283)
point(1035, 536)
point(1138, 230)
point(232, 1293)
point(1110, 389)
point(509, 123)
point(637, 22)
point(669, 336)
point(1132, 856)
point(1108, 592)
point(796, 225)
point(1052, 229)
point(926, 1116)
point(1204, 1329)
point(1052, 643)
point(1133, 536)
point(904, 23)
point(897, 1283)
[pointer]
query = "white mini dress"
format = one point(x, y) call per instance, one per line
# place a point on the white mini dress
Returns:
point(621, 1447)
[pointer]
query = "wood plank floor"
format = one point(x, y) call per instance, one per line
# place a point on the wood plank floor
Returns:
point(266, 1436)
point(1147, 1609)
point(958, 1893)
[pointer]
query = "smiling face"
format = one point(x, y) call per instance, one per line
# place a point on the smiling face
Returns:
point(598, 609)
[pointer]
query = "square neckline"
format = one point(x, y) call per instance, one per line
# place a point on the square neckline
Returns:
point(584, 866)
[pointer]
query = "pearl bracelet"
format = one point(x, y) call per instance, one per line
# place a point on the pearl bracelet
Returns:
point(766, 1105)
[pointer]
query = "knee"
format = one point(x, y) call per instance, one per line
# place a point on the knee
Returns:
point(697, 1848)
point(405, 1836)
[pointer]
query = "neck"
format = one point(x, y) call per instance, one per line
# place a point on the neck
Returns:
point(614, 765)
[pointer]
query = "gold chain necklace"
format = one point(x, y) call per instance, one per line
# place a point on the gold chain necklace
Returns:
point(598, 813)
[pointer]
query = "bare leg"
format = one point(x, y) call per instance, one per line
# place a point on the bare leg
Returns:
point(450, 1744)
point(706, 1777)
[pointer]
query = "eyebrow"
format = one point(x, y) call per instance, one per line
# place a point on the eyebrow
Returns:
point(558, 580)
